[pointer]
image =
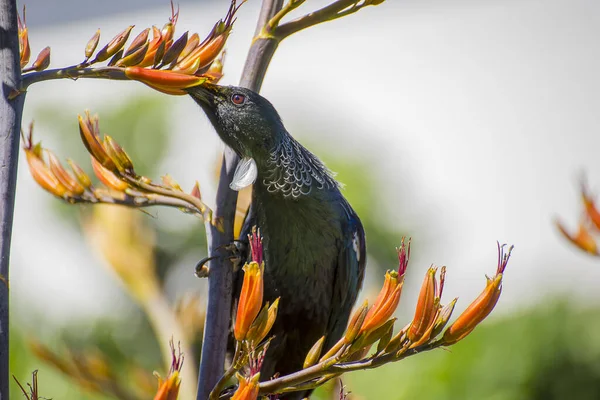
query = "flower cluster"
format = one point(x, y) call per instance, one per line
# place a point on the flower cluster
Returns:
point(368, 325)
point(114, 169)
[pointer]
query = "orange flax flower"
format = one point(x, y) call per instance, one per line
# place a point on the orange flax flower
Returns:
point(386, 302)
point(479, 309)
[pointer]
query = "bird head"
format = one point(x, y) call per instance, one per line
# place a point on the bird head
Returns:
point(245, 121)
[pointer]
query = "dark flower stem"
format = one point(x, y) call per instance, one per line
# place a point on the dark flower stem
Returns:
point(11, 111)
point(220, 282)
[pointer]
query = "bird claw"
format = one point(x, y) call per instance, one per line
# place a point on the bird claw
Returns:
point(234, 255)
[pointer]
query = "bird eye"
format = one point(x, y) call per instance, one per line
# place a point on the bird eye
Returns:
point(238, 99)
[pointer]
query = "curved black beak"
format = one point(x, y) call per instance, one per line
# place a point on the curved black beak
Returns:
point(204, 94)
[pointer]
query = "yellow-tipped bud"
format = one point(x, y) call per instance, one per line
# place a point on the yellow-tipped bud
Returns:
point(92, 44)
point(250, 301)
point(80, 174)
point(263, 323)
point(114, 45)
point(134, 58)
point(89, 131)
point(443, 318)
point(118, 155)
point(314, 353)
point(582, 239)
point(356, 323)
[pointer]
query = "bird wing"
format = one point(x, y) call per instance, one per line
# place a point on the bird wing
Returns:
point(349, 274)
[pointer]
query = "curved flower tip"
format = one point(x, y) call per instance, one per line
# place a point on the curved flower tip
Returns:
point(403, 256)
point(479, 309)
point(168, 389)
point(247, 389)
point(164, 81)
point(582, 239)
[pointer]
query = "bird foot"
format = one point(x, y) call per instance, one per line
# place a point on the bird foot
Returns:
point(231, 252)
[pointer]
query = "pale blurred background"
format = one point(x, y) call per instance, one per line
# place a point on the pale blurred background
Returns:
point(469, 121)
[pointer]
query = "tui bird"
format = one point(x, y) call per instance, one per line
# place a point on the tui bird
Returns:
point(314, 243)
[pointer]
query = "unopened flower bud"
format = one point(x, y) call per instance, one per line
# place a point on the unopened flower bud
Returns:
point(42, 61)
point(248, 388)
point(175, 49)
point(140, 40)
point(107, 177)
point(92, 44)
point(356, 323)
point(114, 45)
point(426, 309)
point(263, 323)
point(88, 129)
point(314, 353)
point(64, 177)
point(80, 174)
point(118, 155)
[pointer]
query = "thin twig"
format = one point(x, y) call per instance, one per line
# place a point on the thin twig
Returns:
point(289, 382)
point(11, 112)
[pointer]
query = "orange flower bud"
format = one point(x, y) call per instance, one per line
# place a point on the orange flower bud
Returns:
point(427, 308)
point(162, 80)
point(250, 300)
point(42, 174)
point(24, 49)
point(191, 44)
point(263, 323)
point(314, 353)
point(114, 45)
point(385, 304)
point(89, 131)
point(42, 61)
point(203, 54)
point(175, 50)
point(356, 323)
point(134, 58)
point(80, 174)
point(91, 45)
point(63, 176)
point(247, 389)
point(582, 239)
point(118, 155)
point(140, 40)
point(482, 306)
point(107, 177)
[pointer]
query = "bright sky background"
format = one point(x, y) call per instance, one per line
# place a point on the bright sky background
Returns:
point(479, 115)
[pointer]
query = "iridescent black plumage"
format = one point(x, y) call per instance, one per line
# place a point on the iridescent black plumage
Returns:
point(314, 243)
